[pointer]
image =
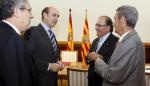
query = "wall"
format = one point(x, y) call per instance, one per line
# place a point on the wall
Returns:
point(95, 9)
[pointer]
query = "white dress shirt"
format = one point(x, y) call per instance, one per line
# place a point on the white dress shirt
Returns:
point(101, 41)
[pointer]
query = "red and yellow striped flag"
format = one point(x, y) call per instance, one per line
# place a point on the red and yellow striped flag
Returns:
point(70, 45)
point(85, 40)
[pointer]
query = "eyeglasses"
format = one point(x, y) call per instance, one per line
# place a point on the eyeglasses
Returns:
point(28, 9)
point(98, 25)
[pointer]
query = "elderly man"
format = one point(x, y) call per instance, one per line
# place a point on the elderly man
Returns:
point(43, 46)
point(16, 67)
point(103, 45)
point(126, 65)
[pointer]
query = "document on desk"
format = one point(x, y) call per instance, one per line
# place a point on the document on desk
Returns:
point(147, 68)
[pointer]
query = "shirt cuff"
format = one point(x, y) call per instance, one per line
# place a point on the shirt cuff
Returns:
point(49, 66)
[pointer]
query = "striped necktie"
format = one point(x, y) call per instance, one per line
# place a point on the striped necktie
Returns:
point(52, 40)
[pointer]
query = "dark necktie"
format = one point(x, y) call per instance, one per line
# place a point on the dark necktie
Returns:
point(52, 40)
point(99, 45)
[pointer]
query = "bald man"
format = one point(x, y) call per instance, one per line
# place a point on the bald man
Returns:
point(43, 47)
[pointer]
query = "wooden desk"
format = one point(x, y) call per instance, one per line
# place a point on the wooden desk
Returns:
point(79, 65)
point(76, 65)
point(62, 75)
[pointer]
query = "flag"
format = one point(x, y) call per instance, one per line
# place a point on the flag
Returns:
point(70, 45)
point(85, 40)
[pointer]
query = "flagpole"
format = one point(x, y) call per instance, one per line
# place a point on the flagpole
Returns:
point(70, 10)
point(86, 14)
point(85, 39)
point(70, 45)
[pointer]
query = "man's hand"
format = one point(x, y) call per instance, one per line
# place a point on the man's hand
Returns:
point(94, 56)
point(61, 65)
point(55, 67)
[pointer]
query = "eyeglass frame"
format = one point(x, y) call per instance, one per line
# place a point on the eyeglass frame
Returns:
point(99, 26)
point(28, 9)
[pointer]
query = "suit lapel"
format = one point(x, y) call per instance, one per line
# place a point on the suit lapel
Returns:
point(45, 36)
point(105, 44)
point(94, 45)
point(119, 46)
point(129, 35)
point(125, 38)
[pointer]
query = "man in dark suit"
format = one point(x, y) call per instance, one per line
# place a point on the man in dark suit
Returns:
point(16, 66)
point(104, 45)
point(43, 47)
point(127, 63)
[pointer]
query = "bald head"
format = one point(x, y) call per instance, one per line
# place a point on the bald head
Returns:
point(107, 21)
point(47, 10)
point(50, 16)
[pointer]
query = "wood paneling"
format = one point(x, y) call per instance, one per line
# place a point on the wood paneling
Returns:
point(78, 47)
point(147, 52)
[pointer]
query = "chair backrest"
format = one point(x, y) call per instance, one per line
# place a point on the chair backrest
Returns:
point(147, 80)
point(69, 56)
point(77, 77)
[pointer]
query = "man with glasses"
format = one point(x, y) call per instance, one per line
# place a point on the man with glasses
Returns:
point(16, 67)
point(104, 45)
point(43, 46)
point(127, 64)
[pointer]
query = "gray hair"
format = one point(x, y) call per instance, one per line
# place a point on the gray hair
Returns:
point(130, 13)
point(7, 9)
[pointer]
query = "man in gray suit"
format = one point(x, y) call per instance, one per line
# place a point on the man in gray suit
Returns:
point(126, 65)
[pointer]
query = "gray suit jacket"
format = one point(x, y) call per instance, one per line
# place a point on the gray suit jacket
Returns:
point(126, 67)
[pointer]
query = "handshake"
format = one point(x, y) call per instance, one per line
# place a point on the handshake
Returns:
point(92, 57)
point(55, 67)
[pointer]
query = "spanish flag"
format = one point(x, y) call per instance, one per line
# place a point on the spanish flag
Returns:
point(85, 40)
point(70, 45)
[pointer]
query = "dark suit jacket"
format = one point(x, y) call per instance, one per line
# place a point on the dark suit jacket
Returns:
point(41, 49)
point(16, 67)
point(106, 51)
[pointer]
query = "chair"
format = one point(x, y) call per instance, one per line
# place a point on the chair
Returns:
point(147, 80)
point(77, 77)
point(147, 74)
point(69, 56)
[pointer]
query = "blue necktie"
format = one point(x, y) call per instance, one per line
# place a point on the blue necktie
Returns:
point(52, 40)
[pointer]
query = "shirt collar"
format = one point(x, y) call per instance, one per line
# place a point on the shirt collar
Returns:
point(121, 38)
point(46, 28)
point(105, 36)
point(13, 26)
